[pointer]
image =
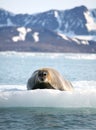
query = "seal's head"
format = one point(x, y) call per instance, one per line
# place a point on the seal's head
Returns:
point(42, 76)
point(40, 79)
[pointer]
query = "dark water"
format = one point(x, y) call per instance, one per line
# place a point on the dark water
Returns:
point(47, 118)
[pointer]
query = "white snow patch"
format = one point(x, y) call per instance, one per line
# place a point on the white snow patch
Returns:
point(63, 36)
point(58, 19)
point(56, 14)
point(22, 34)
point(86, 37)
point(91, 24)
point(16, 38)
point(85, 42)
point(36, 36)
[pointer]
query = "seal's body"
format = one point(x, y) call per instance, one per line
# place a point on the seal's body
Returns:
point(48, 78)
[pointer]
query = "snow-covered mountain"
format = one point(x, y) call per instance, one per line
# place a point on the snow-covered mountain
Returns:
point(78, 21)
point(71, 30)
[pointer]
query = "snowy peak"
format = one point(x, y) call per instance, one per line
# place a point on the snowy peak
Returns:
point(76, 21)
point(50, 31)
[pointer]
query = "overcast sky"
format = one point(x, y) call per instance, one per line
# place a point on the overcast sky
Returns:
point(35, 6)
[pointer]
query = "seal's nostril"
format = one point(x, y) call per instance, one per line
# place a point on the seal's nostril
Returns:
point(42, 79)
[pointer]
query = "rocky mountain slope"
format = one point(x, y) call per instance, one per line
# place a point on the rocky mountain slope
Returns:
point(51, 31)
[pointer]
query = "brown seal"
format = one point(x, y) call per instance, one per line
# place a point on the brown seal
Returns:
point(48, 78)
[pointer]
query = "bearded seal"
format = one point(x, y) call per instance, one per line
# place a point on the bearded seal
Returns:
point(48, 78)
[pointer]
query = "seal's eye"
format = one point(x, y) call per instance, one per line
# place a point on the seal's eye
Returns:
point(40, 74)
point(44, 73)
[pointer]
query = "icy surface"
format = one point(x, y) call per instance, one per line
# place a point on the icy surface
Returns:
point(82, 96)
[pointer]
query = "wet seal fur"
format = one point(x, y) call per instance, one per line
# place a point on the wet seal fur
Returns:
point(48, 78)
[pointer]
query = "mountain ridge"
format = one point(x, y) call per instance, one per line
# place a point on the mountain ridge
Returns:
point(72, 20)
point(53, 31)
